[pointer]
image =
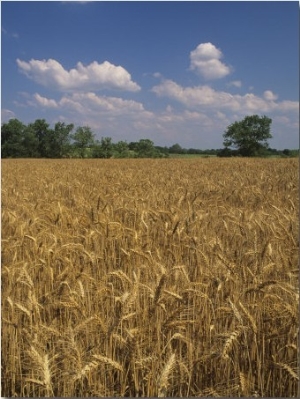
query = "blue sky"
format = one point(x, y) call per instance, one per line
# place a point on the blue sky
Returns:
point(173, 72)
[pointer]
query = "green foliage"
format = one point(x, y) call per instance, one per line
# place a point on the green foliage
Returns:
point(83, 139)
point(40, 129)
point(227, 152)
point(107, 147)
point(145, 149)
point(290, 153)
point(38, 140)
point(121, 150)
point(249, 136)
point(58, 140)
point(35, 140)
point(103, 149)
point(12, 134)
point(176, 149)
point(30, 143)
point(163, 150)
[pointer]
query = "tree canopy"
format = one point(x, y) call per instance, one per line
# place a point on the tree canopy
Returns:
point(39, 140)
point(249, 136)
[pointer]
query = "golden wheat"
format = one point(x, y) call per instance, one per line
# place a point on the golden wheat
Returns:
point(149, 278)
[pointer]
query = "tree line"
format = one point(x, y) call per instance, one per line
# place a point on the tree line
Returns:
point(39, 140)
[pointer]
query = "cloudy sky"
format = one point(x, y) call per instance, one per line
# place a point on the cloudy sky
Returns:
point(174, 72)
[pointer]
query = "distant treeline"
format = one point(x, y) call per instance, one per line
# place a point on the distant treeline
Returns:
point(38, 140)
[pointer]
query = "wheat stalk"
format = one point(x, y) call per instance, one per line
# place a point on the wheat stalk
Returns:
point(289, 369)
point(90, 258)
point(108, 361)
point(230, 341)
point(42, 366)
point(245, 384)
point(250, 318)
point(163, 381)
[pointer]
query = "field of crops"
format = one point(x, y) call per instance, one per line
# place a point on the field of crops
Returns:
point(168, 277)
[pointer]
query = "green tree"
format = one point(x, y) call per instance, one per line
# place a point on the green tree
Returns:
point(83, 139)
point(145, 149)
point(176, 149)
point(12, 135)
point(58, 140)
point(122, 149)
point(249, 136)
point(103, 148)
point(96, 150)
point(287, 152)
point(164, 151)
point(30, 143)
point(40, 128)
point(106, 147)
point(133, 145)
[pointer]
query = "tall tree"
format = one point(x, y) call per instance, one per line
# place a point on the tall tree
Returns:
point(30, 143)
point(106, 147)
point(122, 149)
point(249, 136)
point(103, 148)
point(176, 149)
point(12, 134)
point(145, 149)
point(83, 138)
point(58, 141)
point(40, 129)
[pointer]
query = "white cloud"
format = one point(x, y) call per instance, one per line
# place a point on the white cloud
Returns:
point(51, 73)
point(205, 59)
point(205, 96)
point(235, 83)
point(270, 96)
point(289, 106)
point(193, 96)
point(45, 102)
point(90, 104)
point(125, 119)
point(93, 103)
point(121, 119)
point(199, 124)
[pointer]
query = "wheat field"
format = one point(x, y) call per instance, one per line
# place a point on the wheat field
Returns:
point(150, 278)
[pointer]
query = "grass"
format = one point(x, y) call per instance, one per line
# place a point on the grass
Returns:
point(149, 278)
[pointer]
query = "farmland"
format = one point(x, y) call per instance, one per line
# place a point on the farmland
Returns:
point(138, 277)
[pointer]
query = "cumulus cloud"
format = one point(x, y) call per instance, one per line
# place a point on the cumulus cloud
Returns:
point(45, 102)
point(205, 114)
point(205, 60)
point(287, 105)
point(91, 104)
point(270, 96)
point(51, 73)
point(205, 96)
point(125, 119)
point(121, 119)
point(194, 96)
